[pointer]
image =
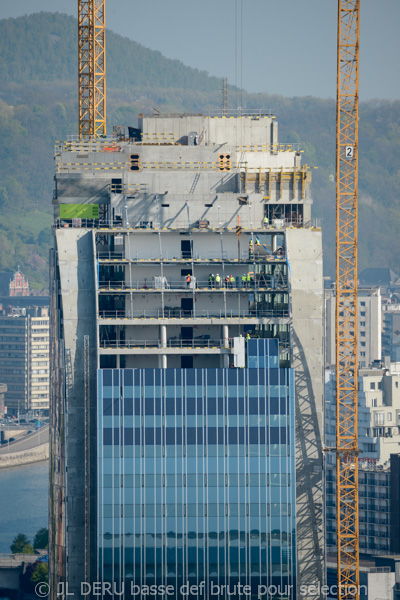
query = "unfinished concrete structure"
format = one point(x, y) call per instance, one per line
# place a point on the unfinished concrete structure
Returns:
point(173, 242)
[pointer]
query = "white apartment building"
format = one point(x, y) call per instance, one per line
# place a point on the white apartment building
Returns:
point(369, 315)
point(39, 361)
point(378, 414)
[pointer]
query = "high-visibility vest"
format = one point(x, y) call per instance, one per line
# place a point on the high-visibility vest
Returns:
point(244, 277)
point(248, 277)
point(265, 220)
point(188, 278)
point(217, 278)
point(232, 279)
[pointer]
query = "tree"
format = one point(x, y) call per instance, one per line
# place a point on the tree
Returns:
point(19, 543)
point(41, 538)
point(40, 574)
point(28, 549)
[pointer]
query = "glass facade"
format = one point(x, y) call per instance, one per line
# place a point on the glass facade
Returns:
point(196, 479)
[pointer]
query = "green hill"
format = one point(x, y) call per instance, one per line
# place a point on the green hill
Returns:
point(43, 47)
point(38, 105)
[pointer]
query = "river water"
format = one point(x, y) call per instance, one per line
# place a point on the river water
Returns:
point(24, 502)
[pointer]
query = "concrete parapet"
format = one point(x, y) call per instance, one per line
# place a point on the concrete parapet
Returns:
point(25, 457)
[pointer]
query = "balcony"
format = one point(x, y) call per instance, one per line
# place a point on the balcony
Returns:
point(172, 346)
point(202, 258)
point(159, 284)
point(179, 313)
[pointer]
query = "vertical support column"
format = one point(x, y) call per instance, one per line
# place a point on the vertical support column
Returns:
point(163, 336)
point(225, 338)
point(118, 356)
point(269, 183)
point(162, 361)
point(225, 335)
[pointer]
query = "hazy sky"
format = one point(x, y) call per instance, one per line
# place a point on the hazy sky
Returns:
point(285, 47)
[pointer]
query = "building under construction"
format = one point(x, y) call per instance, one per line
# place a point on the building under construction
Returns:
point(187, 387)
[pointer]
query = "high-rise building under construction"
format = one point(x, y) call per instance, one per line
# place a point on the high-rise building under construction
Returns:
point(187, 386)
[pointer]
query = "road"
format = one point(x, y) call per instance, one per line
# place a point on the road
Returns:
point(36, 438)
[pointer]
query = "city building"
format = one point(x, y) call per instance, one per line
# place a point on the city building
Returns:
point(14, 361)
point(378, 414)
point(379, 577)
point(369, 314)
point(379, 465)
point(24, 359)
point(391, 328)
point(379, 493)
point(19, 285)
point(187, 305)
point(39, 357)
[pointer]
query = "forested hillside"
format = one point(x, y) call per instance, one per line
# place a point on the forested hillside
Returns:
point(38, 105)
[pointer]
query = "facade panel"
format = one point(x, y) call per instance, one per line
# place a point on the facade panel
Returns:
point(196, 476)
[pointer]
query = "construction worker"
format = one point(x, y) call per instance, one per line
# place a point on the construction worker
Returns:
point(218, 280)
point(251, 249)
point(243, 279)
point(248, 280)
point(210, 280)
point(247, 337)
point(231, 281)
point(265, 221)
point(188, 280)
point(227, 281)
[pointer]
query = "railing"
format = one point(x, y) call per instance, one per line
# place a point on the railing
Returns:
point(94, 144)
point(217, 257)
point(162, 283)
point(240, 112)
point(119, 223)
point(295, 147)
point(171, 343)
point(178, 313)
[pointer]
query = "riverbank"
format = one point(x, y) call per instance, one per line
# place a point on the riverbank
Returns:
point(26, 450)
point(25, 457)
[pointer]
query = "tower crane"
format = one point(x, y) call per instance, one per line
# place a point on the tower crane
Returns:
point(92, 68)
point(346, 300)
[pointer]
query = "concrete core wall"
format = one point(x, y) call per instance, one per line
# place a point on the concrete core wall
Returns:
point(304, 250)
point(76, 262)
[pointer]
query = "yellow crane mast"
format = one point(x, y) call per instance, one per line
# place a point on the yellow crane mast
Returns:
point(92, 66)
point(346, 300)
